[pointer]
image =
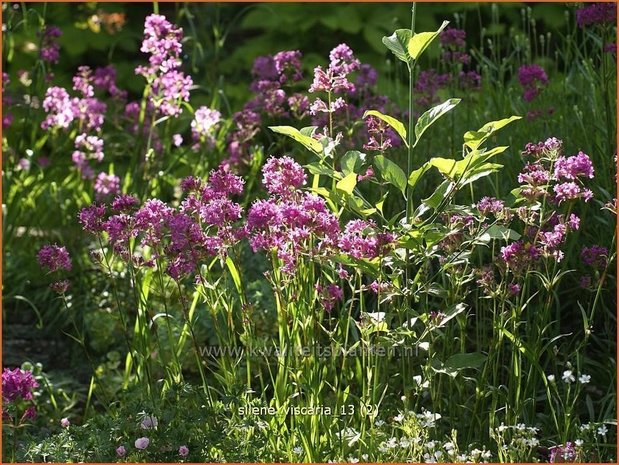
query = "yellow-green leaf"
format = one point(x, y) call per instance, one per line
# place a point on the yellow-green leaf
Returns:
point(348, 183)
point(391, 121)
point(420, 41)
point(308, 142)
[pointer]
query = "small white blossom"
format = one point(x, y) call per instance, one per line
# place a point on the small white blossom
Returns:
point(551, 378)
point(578, 442)
point(398, 418)
point(602, 430)
point(568, 377)
point(584, 379)
point(297, 450)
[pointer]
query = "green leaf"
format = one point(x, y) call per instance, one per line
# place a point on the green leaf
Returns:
point(420, 41)
point(391, 172)
point(499, 232)
point(352, 161)
point(414, 177)
point(429, 117)
point(319, 168)
point(463, 361)
point(348, 183)
point(473, 139)
point(293, 133)
point(398, 44)
point(445, 165)
point(439, 194)
point(391, 121)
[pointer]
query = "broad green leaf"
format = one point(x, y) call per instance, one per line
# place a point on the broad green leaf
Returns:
point(445, 165)
point(414, 177)
point(462, 361)
point(319, 168)
point(429, 117)
point(308, 131)
point(420, 41)
point(391, 172)
point(348, 183)
point(439, 194)
point(479, 172)
point(497, 231)
point(473, 139)
point(293, 133)
point(352, 161)
point(391, 121)
point(398, 44)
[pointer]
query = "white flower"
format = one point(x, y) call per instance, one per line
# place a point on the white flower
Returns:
point(404, 443)
point(550, 378)
point(398, 418)
point(365, 457)
point(486, 455)
point(568, 377)
point(602, 430)
point(379, 423)
point(578, 442)
point(353, 460)
point(297, 450)
point(475, 453)
point(430, 445)
point(585, 427)
point(449, 445)
point(584, 379)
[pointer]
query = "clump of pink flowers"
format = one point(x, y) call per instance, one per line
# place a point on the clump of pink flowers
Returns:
point(169, 85)
point(18, 388)
point(54, 258)
point(596, 13)
point(533, 79)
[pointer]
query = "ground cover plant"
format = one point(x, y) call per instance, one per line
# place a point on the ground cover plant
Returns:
point(219, 245)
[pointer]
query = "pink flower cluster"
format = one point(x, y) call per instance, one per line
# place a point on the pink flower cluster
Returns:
point(293, 223)
point(54, 258)
point(565, 177)
point(204, 225)
point(203, 125)
point(170, 86)
point(50, 49)
point(453, 42)
point(533, 79)
point(596, 13)
point(17, 384)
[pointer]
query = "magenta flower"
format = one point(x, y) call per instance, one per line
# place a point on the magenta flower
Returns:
point(65, 423)
point(596, 13)
point(563, 453)
point(203, 123)
point(183, 451)
point(54, 257)
point(574, 167)
point(60, 287)
point(361, 239)
point(595, 256)
point(59, 107)
point(283, 176)
point(549, 147)
point(17, 384)
point(107, 184)
point(532, 78)
point(50, 49)
point(488, 205)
